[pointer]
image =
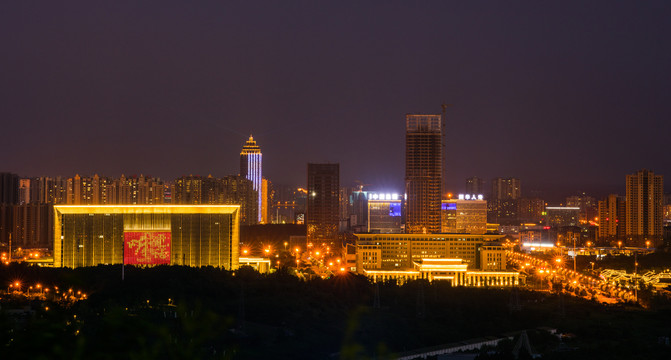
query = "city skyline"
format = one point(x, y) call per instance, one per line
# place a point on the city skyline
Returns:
point(567, 98)
point(553, 194)
point(350, 179)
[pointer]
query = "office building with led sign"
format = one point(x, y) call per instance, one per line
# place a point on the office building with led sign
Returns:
point(465, 215)
point(146, 235)
point(384, 213)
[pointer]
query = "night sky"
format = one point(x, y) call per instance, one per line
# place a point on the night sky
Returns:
point(568, 97)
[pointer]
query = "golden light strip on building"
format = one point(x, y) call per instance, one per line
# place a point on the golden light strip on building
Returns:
point(391, 272)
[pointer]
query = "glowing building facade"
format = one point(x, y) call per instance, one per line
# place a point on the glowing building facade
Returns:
point(189, 235)
point(251, 168)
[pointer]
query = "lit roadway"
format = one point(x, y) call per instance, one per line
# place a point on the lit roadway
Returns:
point(546, 271)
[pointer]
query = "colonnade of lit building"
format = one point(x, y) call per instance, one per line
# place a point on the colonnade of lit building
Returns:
point(492, 278)
point(455, 277)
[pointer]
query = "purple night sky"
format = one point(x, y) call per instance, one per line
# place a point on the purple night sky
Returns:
point(566, 96)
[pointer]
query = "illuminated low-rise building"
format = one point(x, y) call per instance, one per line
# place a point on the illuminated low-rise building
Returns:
point(261, 265)
point(462, 259)
point(190, 235)
point(398, 251)
point(452, 270)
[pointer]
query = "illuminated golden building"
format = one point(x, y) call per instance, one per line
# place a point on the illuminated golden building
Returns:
point(468, 260)
point(190, 235)
point(398, 251)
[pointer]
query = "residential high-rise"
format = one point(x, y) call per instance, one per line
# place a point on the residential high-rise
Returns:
point(266, 200)
point(24, 191)
point(9, 188)
point(503, 201)
point(475, 185)
point(530, 210)
point(322, 215)
point(611, 220)
point(187, 190)
point(251, 168)
point(506, 189)
point(587, 204)
point(423, 173)
point(644, 217)
point(240, 190)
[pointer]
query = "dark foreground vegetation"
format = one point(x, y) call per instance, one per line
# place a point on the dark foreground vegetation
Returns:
point(186, 313)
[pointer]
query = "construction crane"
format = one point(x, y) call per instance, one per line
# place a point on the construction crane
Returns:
point(360, 184)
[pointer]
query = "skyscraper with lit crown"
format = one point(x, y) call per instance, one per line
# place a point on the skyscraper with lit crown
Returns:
point(251, 168)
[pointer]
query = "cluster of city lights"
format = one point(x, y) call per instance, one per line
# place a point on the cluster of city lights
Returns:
point(37, 290)
point(574, 278)
point(32, 255)
point(317, 256)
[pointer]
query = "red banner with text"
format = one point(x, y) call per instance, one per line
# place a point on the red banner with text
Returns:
point(146, 248)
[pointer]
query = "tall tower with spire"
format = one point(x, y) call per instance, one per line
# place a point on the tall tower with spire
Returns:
point(250, 168)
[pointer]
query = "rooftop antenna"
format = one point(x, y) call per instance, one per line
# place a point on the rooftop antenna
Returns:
point(443, 131)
